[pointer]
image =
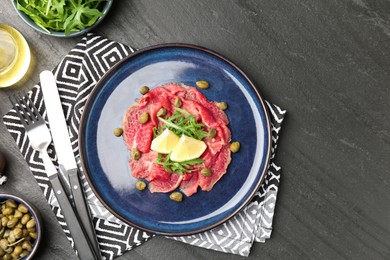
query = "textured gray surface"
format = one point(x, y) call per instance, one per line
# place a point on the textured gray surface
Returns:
point(326, 62)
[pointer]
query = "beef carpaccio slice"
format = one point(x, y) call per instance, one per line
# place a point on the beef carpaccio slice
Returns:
point(136, 135)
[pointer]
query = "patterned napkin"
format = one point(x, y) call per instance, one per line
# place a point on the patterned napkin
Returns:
point(76, 75)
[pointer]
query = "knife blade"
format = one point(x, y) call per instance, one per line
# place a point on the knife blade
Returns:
point(66, 159)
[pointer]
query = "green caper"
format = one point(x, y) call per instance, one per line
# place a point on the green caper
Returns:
point(24, 232)
point(30, 224)
point(27, 245)
point(135, 154)
point(177, 102)
point(24, 253)
point(143, 118)
point(205, 172)
point(143, 90)
point(7, 257)
point(162, 112)
point(11, 238)
point(11, 203)
point(4, 243)
point(176, 196)
point(9, 249)
point(118, 132)
point(12, 222)
point(10, 217)
point(18, 233)
point(25, 219)
point(4, 221)
point(8, 211)
point(2, 252)
point(234, 147)
point(2, 231)
point(212, 133)
point(202, 84)
point(31, 229)
point(18, 214)
point(221, 105)
point(140, 185)
point(17, 250)
point(22, 208)
point(6, 234)
point(33, 235)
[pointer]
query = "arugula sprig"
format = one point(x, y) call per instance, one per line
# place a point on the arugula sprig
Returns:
point(61, 15)
point(178, 167)
point(182, 122)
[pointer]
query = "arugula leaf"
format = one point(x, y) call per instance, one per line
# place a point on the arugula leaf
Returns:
point(178, 167)
point(61, 15)
point(182, 122)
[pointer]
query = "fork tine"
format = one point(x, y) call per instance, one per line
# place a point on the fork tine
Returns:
point(33, 109)
point(26, 110)
point(16, 105)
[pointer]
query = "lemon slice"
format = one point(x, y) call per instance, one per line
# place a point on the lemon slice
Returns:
point(165, 142)
point(187, 148)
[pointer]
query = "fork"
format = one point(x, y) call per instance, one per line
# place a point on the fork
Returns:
point(40, 138)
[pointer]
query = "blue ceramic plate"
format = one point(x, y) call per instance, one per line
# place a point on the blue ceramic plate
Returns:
point(105, 157)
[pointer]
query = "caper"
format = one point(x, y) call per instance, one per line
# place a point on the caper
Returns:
point(27, 245)
point(2, 252)
point(4, 221)
point(4, 243)
point(8, 211)
point(176, 196)
point(7, 257)
point(30, 224)
point(143, 118)
point(31, 229)
point(24, 232)
point(234, 147)
point(135, 154)
point(19, 225)
point(2, 231)
point(11, 203)
point(18, 233)
point(18, 214)
point(17, 250)
point(177, 102)
point(118, 132)
point(24, 253)
point(212, 133)
point(6, 234)
point(202, 84)
point(9, 249)
point(33, 235)
point(12, 222)
point(25, 219)
point(11, 237)
point(221, 105)
point(22, 208)
point(162, 112)
point(140, 185)
point(205, 172)
point(143, 90)
point(10, 217)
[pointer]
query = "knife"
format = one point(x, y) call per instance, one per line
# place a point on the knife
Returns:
point(66, 159)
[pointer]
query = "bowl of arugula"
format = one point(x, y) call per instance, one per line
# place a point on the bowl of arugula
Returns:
point(62, 18)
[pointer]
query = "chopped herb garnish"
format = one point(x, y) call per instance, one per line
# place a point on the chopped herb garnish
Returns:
point(178, 167)
point(182, 122)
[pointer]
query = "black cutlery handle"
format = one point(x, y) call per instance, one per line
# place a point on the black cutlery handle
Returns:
point(82, 209)
point(81, 242)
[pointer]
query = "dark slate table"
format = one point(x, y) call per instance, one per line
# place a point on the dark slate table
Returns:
point(326, 62)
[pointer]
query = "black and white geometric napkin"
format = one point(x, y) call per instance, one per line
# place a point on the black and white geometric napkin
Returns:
point(76, 75)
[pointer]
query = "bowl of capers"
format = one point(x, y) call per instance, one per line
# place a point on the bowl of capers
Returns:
point(20, 231)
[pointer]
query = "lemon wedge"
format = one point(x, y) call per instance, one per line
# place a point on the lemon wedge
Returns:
point(165, 142)
point(187, 148)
